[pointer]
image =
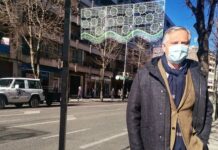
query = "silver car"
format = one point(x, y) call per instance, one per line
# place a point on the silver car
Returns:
point(19, 91)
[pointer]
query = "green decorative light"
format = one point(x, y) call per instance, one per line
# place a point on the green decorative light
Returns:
point(123, 22)
point(119, 38)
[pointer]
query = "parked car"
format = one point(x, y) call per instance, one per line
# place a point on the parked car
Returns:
point(51, 95)
point(19, 91)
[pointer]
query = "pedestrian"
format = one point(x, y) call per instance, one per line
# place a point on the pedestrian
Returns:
point(168, 106)
point(127, 93)
point(112, 94)
point(92, 93)
point(120, 92)
point(79, 95)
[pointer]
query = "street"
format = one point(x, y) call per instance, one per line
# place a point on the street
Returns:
point(91, 126)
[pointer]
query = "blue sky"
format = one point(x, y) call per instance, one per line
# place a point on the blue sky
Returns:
point(181, 15)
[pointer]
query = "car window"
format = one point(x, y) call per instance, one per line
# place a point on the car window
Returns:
point(5, 82)
point(34, 84)
point(20, 83)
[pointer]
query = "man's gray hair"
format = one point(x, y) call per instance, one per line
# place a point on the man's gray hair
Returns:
point(175, 28)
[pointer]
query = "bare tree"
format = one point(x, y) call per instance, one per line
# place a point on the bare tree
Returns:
point(108, 50)
point(140, 53)
point(34, 21)
point(204, 22)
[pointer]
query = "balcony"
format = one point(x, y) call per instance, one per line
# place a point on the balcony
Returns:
point(72, 66)
point(74, 43)
point(88, 70)
point(43, 61)
point(212, 62)
point(212, 67)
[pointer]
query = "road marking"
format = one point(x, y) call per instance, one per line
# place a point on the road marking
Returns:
point(29, 112)
point(102, 141)
point(11, 115)
point(34, 124)
point(9, 120)
point(57, 135)
point(40, 123)
point(71, 117)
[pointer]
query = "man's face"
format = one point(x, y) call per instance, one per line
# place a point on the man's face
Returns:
point(175, 37)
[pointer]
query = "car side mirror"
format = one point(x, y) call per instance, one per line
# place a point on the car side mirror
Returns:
point(16, 86)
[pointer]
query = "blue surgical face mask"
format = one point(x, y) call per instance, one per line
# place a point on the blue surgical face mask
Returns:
point(177, 53)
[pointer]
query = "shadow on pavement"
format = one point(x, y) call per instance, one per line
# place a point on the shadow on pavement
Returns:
point(12, 134)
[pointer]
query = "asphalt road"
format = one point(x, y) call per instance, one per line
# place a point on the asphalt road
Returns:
point(90, 126)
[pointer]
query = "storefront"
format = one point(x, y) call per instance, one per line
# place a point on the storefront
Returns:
point(50, 76)
point(93, 86)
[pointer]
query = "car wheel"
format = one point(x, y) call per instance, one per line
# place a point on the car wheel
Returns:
point(2, 102)
point(18, 105)
point(34, 102)
point(48, 102)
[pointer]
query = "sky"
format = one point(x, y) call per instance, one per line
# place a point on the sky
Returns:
point(181, 15)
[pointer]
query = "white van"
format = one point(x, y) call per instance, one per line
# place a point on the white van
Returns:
point(19, 91)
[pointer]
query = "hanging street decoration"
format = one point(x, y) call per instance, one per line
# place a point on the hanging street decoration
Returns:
point(123, 22)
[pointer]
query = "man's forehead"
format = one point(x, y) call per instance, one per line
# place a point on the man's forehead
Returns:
point(178, 32)
point(178, 35)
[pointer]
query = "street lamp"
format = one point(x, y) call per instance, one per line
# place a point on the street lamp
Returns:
point(124, 71)
point(119, 77)
point(122, 77)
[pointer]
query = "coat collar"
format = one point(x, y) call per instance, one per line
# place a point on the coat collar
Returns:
point(154, 71)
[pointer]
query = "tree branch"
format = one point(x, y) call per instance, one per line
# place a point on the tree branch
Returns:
point(211, 16)
point(191, 6)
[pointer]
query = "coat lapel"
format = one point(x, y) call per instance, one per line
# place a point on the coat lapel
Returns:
point(186, 90)
point(154, 71)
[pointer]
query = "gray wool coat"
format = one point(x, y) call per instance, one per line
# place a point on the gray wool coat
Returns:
point(148, 109)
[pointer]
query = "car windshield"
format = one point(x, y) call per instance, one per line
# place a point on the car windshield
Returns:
point(5, 82)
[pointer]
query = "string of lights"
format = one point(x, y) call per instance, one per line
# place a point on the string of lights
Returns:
point(123, 22)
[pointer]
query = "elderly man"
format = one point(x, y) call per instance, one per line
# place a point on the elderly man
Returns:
point(168, 106)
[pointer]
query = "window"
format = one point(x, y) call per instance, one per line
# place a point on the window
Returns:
point(34, 85)
point(5, 82)
point(77, 56)
point(20, 83)
point(25, 48)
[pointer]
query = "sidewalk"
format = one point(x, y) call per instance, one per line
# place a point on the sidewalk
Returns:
point(97, 100)
point(213, 141)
